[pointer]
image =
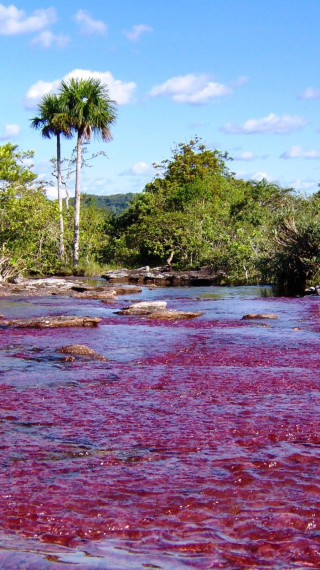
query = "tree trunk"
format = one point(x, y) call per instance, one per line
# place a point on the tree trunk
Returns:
point(67, 198)
point(170, 258)
point(61, 236)
point(77, 202)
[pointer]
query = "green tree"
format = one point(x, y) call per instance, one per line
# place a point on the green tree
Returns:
point(293, 260)
point(195, 212)
point(28, 220)
point(94, 220)
point(53, 121)
point(177, 217)
point(248, 237)
point(90, 111)
point(13, 169)
point(191, 161)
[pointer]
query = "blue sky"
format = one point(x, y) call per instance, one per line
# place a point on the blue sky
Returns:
point(241, 74)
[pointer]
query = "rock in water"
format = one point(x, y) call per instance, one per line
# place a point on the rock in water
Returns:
point(129, 290)
point(158, 310)
point(102, 295)
point(172, 315)
point(81, 350)
point(259, 316)
point(51, 322)
point(144, 308)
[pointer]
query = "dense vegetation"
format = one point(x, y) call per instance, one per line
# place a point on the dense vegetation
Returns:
point(29, 222)
point(115, 203)
point(194, 213)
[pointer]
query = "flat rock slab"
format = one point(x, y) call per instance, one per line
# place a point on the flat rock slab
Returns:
point(42, 286)
point(46, 282)
point(259, 316)
point(51, 322)
point(158, 310)
point(162, 276)
point(97, 295)
point(130, 290)
point(54, 286)
point(81, 350)
point(66, 288)
point(144, 308)
point(174, 315)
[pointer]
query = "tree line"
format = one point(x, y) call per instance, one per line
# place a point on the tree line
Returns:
point(194, 213)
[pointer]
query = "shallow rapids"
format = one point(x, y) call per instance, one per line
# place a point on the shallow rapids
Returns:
point(196, 445)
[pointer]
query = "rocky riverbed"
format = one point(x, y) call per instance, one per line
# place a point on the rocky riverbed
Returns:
point(70, 287)
point(164, 276)
point(142, 442)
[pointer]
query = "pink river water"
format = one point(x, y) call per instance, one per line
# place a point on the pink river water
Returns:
point(197, 445)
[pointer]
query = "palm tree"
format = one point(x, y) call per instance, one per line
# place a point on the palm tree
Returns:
point(90, 111)
point(53, 122)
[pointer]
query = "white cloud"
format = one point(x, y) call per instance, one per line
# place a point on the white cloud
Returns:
point(14, 22)
point(246, 155)
point(196, 89)
point(310, 93)
point(47, 39)
point(38, 90)
point(140, 169)
point(299, 152)
point(258, 176)
point(51, 191)
point(100, 181)
point(137, 31)
point(88, 25)
point(10, 131)
point(304, 185)
point(120, 91)
point(270, 124)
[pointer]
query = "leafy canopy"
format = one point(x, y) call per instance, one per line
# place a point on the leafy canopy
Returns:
point(53, 119)
point(89, 107)
point(14, 168)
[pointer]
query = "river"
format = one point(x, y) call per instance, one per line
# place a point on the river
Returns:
point(196, 445)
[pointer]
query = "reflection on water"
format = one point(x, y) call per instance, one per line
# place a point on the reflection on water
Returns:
point(195, 445)
point(238, 292)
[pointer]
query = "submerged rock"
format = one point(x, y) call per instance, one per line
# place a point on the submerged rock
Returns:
point(259, 316)
point(81, 350)
point(51, 322)
point(106, 294)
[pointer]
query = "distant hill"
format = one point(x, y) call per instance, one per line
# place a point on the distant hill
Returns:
point(115, 203)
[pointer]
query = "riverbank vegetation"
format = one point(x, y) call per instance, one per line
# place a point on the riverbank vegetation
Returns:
point(194, 213)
